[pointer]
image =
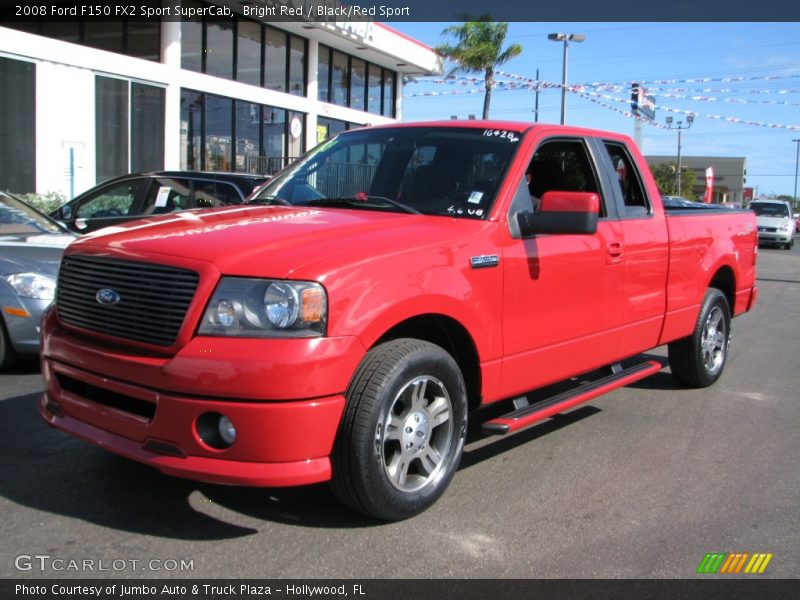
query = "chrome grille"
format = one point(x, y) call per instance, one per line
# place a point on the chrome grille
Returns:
point(153, 299)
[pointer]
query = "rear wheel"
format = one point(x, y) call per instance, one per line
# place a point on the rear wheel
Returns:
point(699, 359)
point(403, 431)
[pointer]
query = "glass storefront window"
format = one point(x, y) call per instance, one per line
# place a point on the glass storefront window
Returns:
point(374, 89)
point(111, 127)
point(248, 55)
point(388, 93)
point(297, 66)
point(248, 132)
point(219, 49)
point(103, 35)
point(358, 83)
point(144, 40)
point(323, 74)
point(147, 127)
point(219, 133)
point(192, 45)
point(274, 131)
point(275, 60)
point(191, 130)
point(254, 138)
point(340, 81)
point(129, 127)
point(17, 126)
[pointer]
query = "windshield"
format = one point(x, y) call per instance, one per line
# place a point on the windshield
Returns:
point(428, 170)
point(769, 210)
point(17, 218)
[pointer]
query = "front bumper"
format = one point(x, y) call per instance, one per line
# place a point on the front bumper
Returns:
point(769, 238)
point(285, 398)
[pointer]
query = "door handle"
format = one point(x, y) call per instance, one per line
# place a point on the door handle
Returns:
point(615, 251)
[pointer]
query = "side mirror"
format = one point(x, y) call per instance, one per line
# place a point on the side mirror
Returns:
point(562, 212)
point(65, 212)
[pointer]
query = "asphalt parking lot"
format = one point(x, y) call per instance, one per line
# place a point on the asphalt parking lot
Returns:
point(641, 483)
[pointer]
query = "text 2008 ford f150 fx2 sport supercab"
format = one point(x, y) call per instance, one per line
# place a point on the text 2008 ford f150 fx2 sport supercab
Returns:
point(346, 324)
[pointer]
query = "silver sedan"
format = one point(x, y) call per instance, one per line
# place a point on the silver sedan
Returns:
point(31, 246)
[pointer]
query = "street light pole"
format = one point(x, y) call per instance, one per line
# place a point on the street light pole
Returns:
point(680, 127)
point(796, 163)
point(566, 38)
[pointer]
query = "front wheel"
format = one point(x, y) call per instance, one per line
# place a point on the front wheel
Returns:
point(699, 359)
point(8, 356)
point(402, 434)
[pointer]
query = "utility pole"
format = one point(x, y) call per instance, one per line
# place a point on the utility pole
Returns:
point(680, 127)
point(536, 102)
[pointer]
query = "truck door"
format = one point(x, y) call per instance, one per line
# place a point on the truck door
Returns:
point(644, 251)
point(562, 293)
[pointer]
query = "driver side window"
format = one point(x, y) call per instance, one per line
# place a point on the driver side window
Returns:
point(560, 165)
point(114, 201)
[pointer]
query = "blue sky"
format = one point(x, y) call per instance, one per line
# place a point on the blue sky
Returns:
point(767, 54)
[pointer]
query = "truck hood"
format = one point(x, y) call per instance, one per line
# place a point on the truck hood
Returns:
point(267, 241)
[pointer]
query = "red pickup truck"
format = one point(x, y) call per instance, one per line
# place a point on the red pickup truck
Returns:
point(346, 323)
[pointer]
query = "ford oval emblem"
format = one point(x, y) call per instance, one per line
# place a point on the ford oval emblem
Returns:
point(107, 296)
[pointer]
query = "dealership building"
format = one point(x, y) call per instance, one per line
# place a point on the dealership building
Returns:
point(85, 100)
point(729, 173)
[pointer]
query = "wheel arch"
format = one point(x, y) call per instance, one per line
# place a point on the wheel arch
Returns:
point(724, 280)
point(450, 335)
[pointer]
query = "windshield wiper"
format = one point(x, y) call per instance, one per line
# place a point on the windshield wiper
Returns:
point(363, 200)
point(269, 201)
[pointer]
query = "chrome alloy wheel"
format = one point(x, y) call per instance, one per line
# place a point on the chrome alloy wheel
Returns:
point(714, 340)
point(415, 436)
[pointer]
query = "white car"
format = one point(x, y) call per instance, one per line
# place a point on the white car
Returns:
point(775, 223)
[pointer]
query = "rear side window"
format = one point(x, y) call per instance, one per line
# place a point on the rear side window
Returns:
point(208, 194)
point(116, 200)
point(167, 195)
point(634, 198)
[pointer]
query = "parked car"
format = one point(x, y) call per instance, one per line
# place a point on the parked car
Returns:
point(796, 217)
point(140, 195)
point(31, 245)
point(775, 223)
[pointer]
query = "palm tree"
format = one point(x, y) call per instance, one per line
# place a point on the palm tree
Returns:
point(479, 50)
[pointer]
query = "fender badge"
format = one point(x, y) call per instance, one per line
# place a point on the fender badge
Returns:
point(487, 260)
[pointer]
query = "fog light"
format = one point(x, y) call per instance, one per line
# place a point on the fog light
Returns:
point(226, 430)
point(215, 430)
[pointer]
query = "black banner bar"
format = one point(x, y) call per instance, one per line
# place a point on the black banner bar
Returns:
point(408, 10)
point(710, 588)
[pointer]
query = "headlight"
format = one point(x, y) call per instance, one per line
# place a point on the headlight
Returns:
point(266, 308)
point(32, 285)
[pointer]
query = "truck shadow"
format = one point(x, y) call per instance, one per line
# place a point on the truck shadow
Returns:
point(47, 470)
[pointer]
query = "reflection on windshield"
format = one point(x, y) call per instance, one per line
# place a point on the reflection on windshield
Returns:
point(17, 218)
point(427, 170)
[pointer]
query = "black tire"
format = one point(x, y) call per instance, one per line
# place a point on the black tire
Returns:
point(403, 431)
point(699, 359)
point(8, 356)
